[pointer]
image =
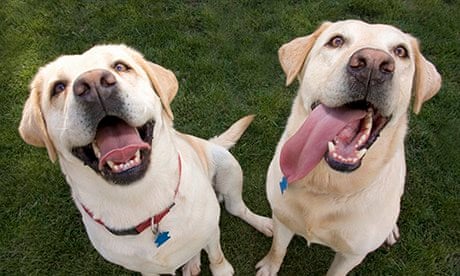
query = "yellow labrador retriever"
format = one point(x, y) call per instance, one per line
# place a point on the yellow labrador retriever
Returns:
point(338, 172)
point(147, 193)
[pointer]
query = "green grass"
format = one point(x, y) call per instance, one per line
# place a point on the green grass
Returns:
point(224, 54)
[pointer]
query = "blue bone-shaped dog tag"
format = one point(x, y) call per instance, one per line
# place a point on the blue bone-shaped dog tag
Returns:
point(161, 238)
point(283, 184)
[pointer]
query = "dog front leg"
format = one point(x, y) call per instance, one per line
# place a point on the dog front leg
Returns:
point(217, 262)
point(393, 237)
point(344, 263)
point(271, 263)
point(192, 267)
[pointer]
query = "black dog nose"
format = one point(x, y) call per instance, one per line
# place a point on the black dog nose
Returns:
point(94, 85)
point(371, 66)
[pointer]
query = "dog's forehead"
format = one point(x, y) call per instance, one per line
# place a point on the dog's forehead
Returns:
point(69, 67)
point(60, 69)
point(104, 53)
point(60, 63)
point(361, 32)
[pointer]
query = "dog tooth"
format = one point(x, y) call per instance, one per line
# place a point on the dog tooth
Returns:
point(331, 146)
point(368, 121)
point(111, 164)
point(362, 139)
point(361, 153)
point(96, 150)
point(368, 128)
point(137, 157)
point(335, 155)
point(354, 160)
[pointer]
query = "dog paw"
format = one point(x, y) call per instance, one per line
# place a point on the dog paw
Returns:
point(220, 197)
point(192, 267)
point(222, 269)
point(266, 227)
point(266, 267)
point(393, 237)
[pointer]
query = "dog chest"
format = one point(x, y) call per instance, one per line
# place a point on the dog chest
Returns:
point(189, 230)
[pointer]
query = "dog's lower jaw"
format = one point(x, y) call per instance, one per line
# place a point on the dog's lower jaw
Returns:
point(347, 150)
point(124, 177)
point(123, 173)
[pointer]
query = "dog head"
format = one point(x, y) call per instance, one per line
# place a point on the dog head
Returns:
point(355, 79)
point(102, 108)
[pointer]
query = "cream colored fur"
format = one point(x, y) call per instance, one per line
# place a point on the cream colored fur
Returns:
point(352, 213)
point(147, 89)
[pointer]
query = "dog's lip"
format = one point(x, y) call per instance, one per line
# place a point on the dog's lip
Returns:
point(120, 173)
point(347, 150)
point(118, 144)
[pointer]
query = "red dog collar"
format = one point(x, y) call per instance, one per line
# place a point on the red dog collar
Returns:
point(155, 220)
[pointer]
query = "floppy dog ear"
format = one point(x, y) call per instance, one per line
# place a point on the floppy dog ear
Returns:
point(33, 127)
point(427, 80)
point(163, 80)
point(165, 83)
point(292, 55)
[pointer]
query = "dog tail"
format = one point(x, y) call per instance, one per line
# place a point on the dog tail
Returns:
point(229, 138)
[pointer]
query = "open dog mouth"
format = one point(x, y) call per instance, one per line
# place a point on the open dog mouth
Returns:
point(341, 135)
point(119, 152)
point(349, 145)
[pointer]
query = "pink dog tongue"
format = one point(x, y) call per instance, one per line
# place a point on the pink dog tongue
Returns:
point(118, 143)
point(304, 150)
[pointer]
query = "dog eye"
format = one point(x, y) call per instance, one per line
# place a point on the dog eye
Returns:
point(336, 42)
point(400, 51)
point(58, 88)
point(120, 67)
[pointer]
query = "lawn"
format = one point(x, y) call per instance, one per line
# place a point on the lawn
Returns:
point(224, 54)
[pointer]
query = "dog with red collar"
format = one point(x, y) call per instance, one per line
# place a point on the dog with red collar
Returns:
point(146, 192)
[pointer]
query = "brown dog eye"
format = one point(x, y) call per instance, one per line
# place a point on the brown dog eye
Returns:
point(400, 51)
point(58, 88)
point(120, 67)
point(336, 42)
